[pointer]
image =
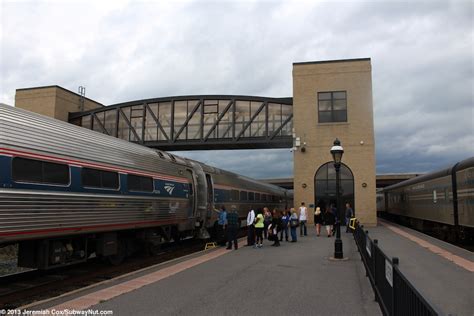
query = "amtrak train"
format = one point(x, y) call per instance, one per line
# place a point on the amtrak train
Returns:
point(441, 203)
point(68, 194)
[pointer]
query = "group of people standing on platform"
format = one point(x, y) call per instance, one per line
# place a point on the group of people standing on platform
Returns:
point(276, 225)
point(329, 217)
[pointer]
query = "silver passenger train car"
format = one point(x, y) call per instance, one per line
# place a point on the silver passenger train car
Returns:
point(441, 202)
point(68, 193)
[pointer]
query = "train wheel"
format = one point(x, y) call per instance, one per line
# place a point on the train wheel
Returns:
point(152, 249)
point(121, 254)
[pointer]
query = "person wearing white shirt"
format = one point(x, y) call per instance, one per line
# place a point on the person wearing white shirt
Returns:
point(303, 212)
point(250, 228)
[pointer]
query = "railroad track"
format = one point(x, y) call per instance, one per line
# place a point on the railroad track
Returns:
point(466, 246)
point(23, 288)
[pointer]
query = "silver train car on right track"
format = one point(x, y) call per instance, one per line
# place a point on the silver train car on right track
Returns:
point(441, 202)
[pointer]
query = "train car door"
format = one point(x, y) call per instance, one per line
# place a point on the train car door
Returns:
point(210, 195)
point(200, 192)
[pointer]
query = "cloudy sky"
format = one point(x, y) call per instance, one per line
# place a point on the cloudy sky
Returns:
point(422, 60)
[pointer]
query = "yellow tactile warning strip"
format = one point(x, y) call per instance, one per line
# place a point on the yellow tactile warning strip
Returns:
point(463, 263)
point(97, 297)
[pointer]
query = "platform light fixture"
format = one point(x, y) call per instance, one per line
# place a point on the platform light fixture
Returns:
point(337, 151)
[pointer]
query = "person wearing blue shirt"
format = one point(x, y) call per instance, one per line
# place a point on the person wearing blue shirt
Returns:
point(221, 224)
point(285, 219)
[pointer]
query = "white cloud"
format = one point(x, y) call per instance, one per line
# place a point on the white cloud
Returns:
point(422, 60)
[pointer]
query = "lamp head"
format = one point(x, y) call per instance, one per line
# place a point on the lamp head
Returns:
point(337, 151)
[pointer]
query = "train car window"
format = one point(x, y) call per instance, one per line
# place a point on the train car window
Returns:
point(257, 196)
point(100, 179)
point(234, 195)
point(110, 180)
point(140, 184)
point(243, 195)
point(435, 197)
point(251, 196)
point(190, 188)
point(37, 171)
point(264, 197)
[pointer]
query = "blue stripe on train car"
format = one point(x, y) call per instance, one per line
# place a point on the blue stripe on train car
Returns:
point(166, 188)
point(5, 163)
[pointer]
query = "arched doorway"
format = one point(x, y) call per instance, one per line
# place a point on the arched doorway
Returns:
point(325, 186)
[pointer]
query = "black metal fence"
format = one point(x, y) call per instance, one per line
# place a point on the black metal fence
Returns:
point(394, 293)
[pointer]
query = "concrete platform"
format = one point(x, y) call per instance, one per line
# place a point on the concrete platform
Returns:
point(442, 272)
point(294, 279)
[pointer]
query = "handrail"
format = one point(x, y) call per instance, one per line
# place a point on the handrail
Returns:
point(395, 294)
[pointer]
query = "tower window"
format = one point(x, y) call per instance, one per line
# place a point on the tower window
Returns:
point(332, 106)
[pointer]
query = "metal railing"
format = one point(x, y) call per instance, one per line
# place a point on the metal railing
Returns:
point(394, 293)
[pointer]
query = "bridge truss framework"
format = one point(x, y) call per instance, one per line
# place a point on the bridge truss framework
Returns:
point(196, 122)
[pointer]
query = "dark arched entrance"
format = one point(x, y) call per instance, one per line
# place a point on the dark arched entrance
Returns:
point(325, 186)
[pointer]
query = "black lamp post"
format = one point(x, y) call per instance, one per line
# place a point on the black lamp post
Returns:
point(337, 151)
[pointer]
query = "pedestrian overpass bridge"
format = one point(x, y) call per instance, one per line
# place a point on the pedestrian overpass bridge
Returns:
point(196, 122)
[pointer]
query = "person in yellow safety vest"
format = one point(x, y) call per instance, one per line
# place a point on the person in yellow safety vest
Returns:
point(259, 226)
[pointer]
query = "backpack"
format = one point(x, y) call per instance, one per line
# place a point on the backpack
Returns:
point(294, 222)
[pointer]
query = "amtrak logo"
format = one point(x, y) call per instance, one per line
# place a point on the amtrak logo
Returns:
point(169, 188)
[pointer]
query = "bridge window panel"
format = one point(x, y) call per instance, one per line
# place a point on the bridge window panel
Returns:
point(97, 121)
point(123, 131)
point(225, 126)
point(194, 127)
point(257, 128)
point(86, 121)
point(242, 116)
point(180, 115)
point(332, 106)
point(151, 128)
point(286, 112)
point(208, 122)
point(234, 195)
point(274, 117)
point(211, 107)
point(136, 119)
point(251, 196)
point(140, 183)
point(96, 178)
point(164, 117)
point(243, 195)
point(110, 122)
point(196, 118)
point(37, 171)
